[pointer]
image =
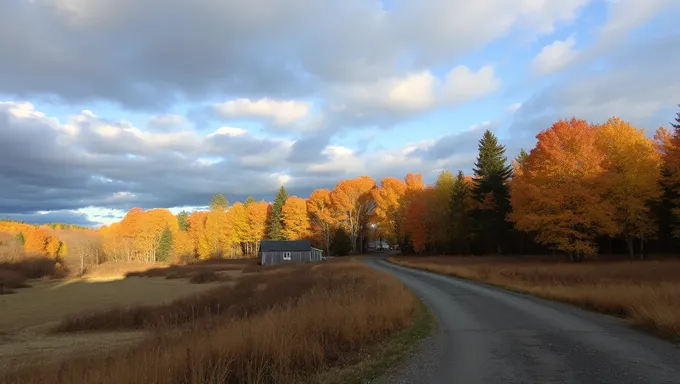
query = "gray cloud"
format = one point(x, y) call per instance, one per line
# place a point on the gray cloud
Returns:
point(112, 50)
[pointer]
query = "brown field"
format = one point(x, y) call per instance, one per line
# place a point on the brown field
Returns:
point(647, 293)
point(276, 325)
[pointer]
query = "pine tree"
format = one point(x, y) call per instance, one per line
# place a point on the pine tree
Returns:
point(20, 238)
point(218, 203)
point(249, 200)
point(460, 195)
point(275, 226)
point(164, 245)
point(521, 158)
point(183, 221)
point(342, 243)
point(492, 194)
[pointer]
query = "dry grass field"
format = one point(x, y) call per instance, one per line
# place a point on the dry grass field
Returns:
point(29, 314)
point(265, 325)
point(647, 293)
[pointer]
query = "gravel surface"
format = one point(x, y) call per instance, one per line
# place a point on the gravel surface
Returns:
point(489, 335)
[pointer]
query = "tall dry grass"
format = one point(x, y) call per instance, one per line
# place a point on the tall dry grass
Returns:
point(645, 292)
point(291, 323)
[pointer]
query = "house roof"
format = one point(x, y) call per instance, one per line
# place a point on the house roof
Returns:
point(284, 245)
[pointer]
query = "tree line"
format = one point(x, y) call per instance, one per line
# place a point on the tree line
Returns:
point(583, 189)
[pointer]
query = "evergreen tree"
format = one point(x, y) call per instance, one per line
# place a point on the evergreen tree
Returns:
point(665, 208)
point(342, 243)
point(275, 227)
point(165, 245)
point(521, 158)
point(460, 195)
point(20, 238)
point(183, 221)
point(218, 203)
point(491, 192)
point(249, 200)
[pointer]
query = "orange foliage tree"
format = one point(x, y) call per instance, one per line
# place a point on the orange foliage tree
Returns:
point(559, 192)
point(354, 205)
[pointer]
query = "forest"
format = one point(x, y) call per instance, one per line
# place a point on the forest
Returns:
point(585, 189)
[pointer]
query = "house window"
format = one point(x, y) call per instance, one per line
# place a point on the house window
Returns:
point(286, 255)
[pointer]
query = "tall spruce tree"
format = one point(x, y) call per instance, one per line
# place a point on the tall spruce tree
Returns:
point(218, 203)
point(490, 190)
point(165, 245)
point(276, 220)
point(669, 223)
point(183, 221)
point(460, 195)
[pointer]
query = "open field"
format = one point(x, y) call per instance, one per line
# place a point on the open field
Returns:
point(30, 313)
point(280, 324)
point(647, 293)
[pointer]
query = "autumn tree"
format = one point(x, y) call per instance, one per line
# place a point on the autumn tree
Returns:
point(633, 168)
point(354, 205)
point(275, 226)
point(439, 211)
point(238, 227)
point(321, 215)
point(151, 227)
point(389, 207)
point(215, 229)
point(491, 174)
point(257, 223)
point(559, 193)
point(295, 219)
point(197, 230)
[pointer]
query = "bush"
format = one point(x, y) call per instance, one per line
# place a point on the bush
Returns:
point(10, 280)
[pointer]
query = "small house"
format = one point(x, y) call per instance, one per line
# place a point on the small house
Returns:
point(283, 251)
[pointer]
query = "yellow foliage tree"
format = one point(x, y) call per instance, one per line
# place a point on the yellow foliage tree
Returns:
point(633, 167)
point(295, 219)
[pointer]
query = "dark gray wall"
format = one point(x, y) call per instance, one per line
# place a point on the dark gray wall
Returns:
point(271, 258)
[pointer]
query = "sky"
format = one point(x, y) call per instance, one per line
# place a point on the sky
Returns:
point(107, 105)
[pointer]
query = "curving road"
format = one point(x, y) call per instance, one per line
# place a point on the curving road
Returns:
point(490, 335)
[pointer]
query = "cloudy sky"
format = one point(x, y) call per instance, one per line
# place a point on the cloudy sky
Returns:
point(110, 104)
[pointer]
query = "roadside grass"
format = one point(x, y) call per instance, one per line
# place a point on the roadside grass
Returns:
point(646, 293)
point(279, 326)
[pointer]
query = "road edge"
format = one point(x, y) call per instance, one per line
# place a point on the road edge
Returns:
point(378, 360)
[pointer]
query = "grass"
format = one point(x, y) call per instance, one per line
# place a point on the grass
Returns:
point(647, 293)
point(282, 325)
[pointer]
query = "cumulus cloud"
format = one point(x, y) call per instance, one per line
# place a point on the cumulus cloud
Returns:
point(110, 50)
point(555, 56)
point(419, 91)
point(637, 87)
point(281, 112)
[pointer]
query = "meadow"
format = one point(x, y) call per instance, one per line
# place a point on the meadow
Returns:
point(244, 324)
point(645, 293)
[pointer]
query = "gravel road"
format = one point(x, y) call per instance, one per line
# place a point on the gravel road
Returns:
point(490, 335)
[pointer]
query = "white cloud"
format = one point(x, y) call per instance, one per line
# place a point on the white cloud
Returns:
point(555, 56)
point(228, 131)
point(513, 107)
point(281, 112)
point(463, 84)
point(420, 91)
